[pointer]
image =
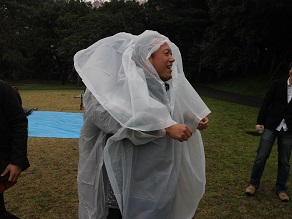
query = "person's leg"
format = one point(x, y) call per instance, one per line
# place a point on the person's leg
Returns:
point(284, 152)
point(111, 202)
point(266, 143)
point(2, 205)
point(114, 213)
point(3, 213)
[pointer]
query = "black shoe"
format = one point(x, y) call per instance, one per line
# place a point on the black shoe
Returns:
point(7, 215)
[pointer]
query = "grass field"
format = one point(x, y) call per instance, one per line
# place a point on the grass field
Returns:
point(230, 153)
point(48, 190)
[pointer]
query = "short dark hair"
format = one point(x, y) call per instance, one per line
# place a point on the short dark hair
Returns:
point(290, 65)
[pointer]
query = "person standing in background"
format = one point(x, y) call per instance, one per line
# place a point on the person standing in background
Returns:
point(275, 121)
point(13, 143)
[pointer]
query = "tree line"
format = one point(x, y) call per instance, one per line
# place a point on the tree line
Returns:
point(217, 38)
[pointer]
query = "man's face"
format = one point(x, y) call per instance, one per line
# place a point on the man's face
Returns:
point(162, 62)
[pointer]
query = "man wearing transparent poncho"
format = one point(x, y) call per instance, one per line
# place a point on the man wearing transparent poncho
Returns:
point(137, 135)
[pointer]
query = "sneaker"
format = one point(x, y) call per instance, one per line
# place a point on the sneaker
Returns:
point(250, 190)
point(283, 196)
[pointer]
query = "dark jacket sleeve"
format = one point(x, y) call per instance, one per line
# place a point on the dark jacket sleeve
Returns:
point(275, 106)
point(267, 102)
point(13, 125)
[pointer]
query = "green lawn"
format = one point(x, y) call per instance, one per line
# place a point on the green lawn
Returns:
point(255, 86)
point(230, 153)
point(48, 190)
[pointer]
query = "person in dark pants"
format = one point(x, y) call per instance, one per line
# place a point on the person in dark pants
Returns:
point(13, 143)
point(275, 121)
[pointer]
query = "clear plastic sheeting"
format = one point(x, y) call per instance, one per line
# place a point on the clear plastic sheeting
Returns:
point(152, 175)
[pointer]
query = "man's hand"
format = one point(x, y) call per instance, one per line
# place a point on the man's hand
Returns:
point(179, 132)
point(260, 128)
point(14, 171)
point(203, 123)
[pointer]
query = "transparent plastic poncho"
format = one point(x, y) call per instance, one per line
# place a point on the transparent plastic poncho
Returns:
point(152, 175)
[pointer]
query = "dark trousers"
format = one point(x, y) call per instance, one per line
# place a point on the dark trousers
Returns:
point(114, 214)
point(2, 206)
point(284, 151)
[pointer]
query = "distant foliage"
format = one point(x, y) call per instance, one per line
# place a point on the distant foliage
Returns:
point(247, 37)
point(217, 38)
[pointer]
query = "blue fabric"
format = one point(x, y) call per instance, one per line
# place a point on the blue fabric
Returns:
point(51, 124)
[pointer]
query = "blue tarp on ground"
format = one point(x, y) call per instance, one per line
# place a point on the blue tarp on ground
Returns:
point(51, 124)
